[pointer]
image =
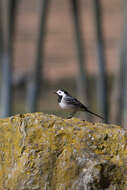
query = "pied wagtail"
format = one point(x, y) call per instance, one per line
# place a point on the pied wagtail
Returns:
point(67, 102)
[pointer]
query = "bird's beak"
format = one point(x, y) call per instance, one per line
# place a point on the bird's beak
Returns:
point(54, 92)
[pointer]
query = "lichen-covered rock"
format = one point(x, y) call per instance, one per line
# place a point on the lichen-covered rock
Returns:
point(45, 152)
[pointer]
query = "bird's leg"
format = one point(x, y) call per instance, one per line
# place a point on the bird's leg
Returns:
point(72, 114)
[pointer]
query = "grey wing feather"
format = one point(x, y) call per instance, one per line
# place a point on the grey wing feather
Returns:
point(78, 104)
point(74, 101)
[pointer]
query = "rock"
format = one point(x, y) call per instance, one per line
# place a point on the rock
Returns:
point(45, 152)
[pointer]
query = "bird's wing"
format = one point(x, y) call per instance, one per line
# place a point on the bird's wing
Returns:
point(74, 101)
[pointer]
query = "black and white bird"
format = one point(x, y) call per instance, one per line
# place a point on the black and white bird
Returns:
point(67, 102)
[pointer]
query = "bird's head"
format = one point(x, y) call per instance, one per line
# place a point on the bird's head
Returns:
point(61, 93)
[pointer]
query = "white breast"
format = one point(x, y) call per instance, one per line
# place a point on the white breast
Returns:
point(64, 105)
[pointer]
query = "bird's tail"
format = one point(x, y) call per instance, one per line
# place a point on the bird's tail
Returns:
point(94, 113)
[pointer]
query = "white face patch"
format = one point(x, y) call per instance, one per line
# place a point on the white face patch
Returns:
point(60, 93)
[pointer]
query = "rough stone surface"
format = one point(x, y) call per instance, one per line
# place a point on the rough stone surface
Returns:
point(45, 152)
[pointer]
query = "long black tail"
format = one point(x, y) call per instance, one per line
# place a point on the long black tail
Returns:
point(93, 113)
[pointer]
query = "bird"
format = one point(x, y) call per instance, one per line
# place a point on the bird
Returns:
point(68, 102)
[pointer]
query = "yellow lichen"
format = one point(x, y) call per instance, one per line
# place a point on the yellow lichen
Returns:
point(44, 151)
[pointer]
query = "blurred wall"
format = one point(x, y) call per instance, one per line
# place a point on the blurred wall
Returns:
point(60, 51)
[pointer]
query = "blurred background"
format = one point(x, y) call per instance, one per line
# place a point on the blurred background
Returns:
point(76, 45)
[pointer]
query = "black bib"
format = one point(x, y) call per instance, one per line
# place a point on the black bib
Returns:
point(59, 98)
